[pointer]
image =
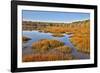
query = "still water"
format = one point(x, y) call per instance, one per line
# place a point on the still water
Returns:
point(35, 36)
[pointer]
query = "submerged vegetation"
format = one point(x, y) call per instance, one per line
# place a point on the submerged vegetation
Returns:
point(25, 39)
point(50, 49)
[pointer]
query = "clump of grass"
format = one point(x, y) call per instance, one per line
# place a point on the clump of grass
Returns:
point(57, 35)
point(46, 44)
point(54, 29)
point(25, 39)
point(68, 33)
point(64, 49)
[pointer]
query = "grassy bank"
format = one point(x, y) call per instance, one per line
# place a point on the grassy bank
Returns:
point(46, 57)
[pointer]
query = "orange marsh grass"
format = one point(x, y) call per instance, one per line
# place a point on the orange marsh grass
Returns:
point(64, 49)
point(46, 57)
point(46, 44)
point(82, 43)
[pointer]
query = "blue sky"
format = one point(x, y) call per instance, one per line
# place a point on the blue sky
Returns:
point(45, 16)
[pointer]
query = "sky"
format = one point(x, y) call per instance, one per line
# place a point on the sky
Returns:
point(51, 16)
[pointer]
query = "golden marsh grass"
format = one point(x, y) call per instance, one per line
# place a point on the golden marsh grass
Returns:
point(80, 39)
point(46, 44)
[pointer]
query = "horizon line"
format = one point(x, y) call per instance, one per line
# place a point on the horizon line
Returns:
point(55, 21)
